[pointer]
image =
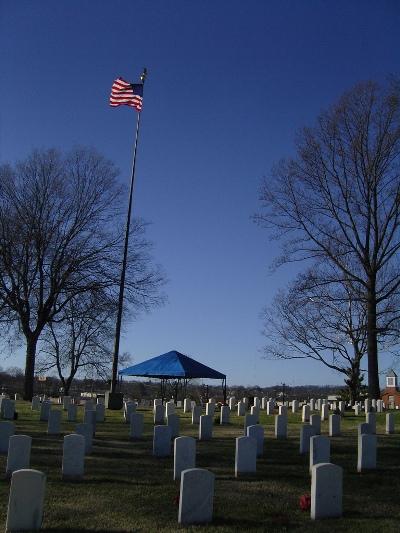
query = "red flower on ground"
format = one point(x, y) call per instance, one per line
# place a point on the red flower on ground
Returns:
point(305, 502)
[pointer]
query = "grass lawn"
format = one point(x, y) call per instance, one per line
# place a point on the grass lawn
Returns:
point(127, 490)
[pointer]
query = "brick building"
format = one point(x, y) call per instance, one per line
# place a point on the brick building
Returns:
point(391, 395)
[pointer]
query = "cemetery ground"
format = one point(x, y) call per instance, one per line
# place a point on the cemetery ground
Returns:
point(126, 489)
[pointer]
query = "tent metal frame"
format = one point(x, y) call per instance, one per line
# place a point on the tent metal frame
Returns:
point(179, 385)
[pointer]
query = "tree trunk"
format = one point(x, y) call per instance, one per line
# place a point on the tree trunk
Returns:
point(67, 385)
point(374, 391)
point(31, 343)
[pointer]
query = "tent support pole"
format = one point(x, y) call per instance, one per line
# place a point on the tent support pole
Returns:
point(185, 382)
point(163, 386)
point(224, 389)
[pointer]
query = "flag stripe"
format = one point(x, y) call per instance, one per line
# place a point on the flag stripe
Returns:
point(124, 93)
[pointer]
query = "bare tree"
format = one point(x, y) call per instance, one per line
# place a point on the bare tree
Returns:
point(78, 340)
point(339, 199)
point(61, 237)
point(319, 321)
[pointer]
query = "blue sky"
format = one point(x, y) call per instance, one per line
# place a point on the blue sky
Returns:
point(229, 84)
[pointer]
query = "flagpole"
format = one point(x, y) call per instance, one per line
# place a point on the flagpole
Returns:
point(115, 399)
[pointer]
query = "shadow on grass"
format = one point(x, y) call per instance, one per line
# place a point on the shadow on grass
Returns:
point(74, 530)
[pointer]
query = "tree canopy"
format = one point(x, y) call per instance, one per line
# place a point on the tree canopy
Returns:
point(61, 234)
point(338, 201)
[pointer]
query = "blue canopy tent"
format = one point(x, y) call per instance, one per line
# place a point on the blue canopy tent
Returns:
point(174, 366)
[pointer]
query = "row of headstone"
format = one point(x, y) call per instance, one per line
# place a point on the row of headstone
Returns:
point(53, 416)
point(326, 491)
point(27, 489)
point(318, 446)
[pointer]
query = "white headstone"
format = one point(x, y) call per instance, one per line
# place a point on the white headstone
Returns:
point(162, 441)
point(225, 413)
point(312, 404)
point(257, 433)
point(366, 452)
point(196, 414)
point(136, 426)
point(370, 419)
point(187, 407)
point(255, 411)
point(44, 411)
point(71, 413)
point(87, 431)
point(100, 412)
point(249, 420)
point(196, 496)
point(264, 403)
point(73, 461)
point(389, 423)
point(184, 455)
point(379, 406)
point(6, 431)
point(210, 409)
point(25, 504)
point(8, 409)
point(232, 403)
point(282, 410)
point(157, 401)
point(342, 407)
point(295, 406)
point(19, 453)
point(320, 450)
point(246, 455)
point(256, 402)
point(205, 427)
point(326, 491)
point(89, 405)
point(315, 420)
point(158, 414)
point(89, 418)
point(66, 402)
point(281, 426)
point(241, 409)
point(324, 411)
point(334, 425)
point(35, 403)
point(169, 409)
point(364, 429)
point(305, 417)
point(129, 408)
point(306, 432)
point(54, 423)
point(173, 423)
point(367, 405)
point(357, 409)
point(270, 407)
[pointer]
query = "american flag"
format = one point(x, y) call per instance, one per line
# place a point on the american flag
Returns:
point(124, 93)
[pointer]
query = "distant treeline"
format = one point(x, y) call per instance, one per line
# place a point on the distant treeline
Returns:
point(12, 382)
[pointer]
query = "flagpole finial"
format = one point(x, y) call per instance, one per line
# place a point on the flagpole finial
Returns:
point(143, 76)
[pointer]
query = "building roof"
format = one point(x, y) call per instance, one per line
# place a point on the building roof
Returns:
point(172, 365)
point(391, 374)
